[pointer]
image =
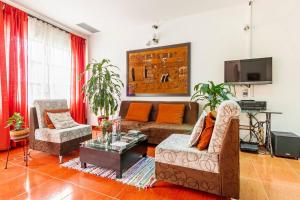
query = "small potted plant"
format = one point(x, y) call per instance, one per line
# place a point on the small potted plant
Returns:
point(213, 94)
point(17, 122)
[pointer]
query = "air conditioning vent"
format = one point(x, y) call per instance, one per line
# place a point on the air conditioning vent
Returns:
point(88, 28)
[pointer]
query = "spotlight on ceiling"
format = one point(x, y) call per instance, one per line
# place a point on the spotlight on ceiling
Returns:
point(155, 39)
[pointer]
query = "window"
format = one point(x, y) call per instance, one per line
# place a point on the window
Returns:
point(49, 62)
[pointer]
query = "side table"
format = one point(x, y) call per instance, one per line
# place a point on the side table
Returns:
point(19, 136)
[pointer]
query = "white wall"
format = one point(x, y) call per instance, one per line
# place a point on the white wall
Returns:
point(217, 36)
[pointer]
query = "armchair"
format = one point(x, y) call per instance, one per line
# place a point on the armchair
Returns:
point(215, 170)
point(53, 141)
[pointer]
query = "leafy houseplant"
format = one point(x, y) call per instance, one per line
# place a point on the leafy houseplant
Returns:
point(103, 89)
point(212, 93)
point(16, 121)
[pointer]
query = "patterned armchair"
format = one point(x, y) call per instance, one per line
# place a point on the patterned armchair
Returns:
point(53, 141)
point(215, 170)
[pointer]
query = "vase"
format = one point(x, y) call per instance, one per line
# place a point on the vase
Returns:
point(104, 132)
point(108, 139)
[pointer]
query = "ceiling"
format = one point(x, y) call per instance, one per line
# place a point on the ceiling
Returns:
point(112, 15)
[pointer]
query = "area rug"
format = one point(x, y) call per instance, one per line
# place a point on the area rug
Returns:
point(141, 175)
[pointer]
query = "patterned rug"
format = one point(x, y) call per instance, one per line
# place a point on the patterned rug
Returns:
point(141, 175)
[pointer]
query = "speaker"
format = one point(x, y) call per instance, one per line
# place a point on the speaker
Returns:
point(285, 144)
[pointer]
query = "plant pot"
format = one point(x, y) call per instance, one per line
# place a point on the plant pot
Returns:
point(14, 134)
point(101, 118)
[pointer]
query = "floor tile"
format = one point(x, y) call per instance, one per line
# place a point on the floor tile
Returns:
point(277, 174)
point(23, 183)
point(95, 183)
point(165, 191)
point(282, 191)
point(11, 172)
point(295, 165)
point(51, 189)
point(247, 169)
point(252, 190)
point(83, 194)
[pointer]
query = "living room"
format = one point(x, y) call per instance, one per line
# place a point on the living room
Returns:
point(202, 39)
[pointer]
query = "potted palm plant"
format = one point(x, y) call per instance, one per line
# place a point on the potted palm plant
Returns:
point(103, 90)
point(17, 122)
point(213, 94)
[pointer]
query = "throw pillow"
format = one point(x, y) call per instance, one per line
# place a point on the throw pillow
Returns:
point(198, 128)
point(62, 120)
point(170, 113)
point(207, 132)
point(138, 112)
point(47, 120)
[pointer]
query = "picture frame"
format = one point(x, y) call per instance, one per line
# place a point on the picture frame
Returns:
point(159, 71)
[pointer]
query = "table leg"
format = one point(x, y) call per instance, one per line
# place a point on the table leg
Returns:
point(119, 174)
point(26, 152)
point(83, 165)
point(7, 156)
point(268, 134)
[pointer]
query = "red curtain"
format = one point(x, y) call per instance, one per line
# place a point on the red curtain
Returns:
point(16, 29)
point(77, 104)
point(4, 134)
point(13, 67)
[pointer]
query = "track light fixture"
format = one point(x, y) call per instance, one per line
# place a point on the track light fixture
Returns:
point(155, 39)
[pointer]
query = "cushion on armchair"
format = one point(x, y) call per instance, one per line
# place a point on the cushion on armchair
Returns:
point(42, 105)
point(62, 135)
point(47, 120)
point(206, 134)
point(197, 130)
point(62, 120)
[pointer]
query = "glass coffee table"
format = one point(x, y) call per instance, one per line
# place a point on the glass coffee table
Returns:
point(118, 156)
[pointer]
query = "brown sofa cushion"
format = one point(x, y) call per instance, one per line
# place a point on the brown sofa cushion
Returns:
point(158, 132)
point(138, 112)
point(131, 125)
point(170, 113)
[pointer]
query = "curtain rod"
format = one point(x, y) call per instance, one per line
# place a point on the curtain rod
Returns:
point(32, 16)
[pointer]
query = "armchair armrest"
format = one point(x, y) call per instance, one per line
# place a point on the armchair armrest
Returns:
point(229, 160)
point(33, 125)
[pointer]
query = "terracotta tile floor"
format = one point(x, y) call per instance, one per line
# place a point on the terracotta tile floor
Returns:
point(261, 178)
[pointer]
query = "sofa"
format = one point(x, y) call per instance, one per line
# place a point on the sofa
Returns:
point(54, 141)
point(157, 132)
point(214, 170)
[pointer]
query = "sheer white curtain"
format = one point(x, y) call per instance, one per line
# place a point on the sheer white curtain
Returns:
point(49, 62)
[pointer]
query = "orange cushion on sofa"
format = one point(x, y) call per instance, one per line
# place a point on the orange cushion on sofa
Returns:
point(138, 112)
point(170, 113)
point(47, 120)
point(207, 132)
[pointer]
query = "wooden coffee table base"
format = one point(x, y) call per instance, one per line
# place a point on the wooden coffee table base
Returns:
point(111, 159)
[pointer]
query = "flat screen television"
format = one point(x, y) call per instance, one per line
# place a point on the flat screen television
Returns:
point(249, 71)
